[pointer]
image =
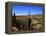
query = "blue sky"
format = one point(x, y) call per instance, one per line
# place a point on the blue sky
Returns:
point(25, 9)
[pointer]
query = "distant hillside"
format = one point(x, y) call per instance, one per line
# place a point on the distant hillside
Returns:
point(31, 16)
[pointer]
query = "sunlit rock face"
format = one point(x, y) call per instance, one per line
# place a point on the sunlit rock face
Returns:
point(14, 29)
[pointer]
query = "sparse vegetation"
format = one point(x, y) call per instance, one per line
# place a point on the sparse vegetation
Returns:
point(36, 24)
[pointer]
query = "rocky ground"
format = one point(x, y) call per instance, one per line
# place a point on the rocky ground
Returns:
point(37, 22)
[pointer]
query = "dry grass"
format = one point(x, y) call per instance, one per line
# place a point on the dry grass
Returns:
point(36, 22)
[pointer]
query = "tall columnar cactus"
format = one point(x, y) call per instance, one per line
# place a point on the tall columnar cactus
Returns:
point(29, 21)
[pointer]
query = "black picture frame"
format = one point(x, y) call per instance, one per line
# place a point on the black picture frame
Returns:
point(8, 17)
